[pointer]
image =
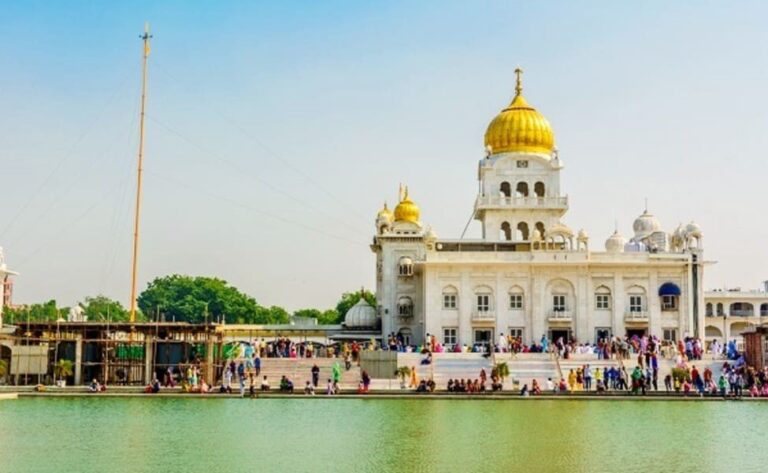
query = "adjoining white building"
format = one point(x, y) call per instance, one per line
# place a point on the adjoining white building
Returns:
point(530, 274)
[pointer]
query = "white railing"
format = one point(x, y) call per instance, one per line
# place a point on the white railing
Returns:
point(636, 316)
point(483, 315)
point(522, 202)
point(560, 315)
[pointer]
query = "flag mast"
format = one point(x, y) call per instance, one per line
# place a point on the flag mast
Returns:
point(134, 266)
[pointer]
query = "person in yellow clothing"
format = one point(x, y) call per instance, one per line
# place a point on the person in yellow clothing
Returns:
point(571, 380)
point(414, 378)
point(598, 376)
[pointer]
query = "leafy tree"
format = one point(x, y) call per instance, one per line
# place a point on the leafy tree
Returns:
point(348, 299)
point(195, 299)
point(270, 315)
point(102, 308)
point(328, 317)
point(40, 312)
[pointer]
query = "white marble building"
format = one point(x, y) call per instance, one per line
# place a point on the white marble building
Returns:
point(530, 274)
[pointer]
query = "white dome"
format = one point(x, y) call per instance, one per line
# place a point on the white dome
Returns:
point(644, 225)
point(361, 315)
point(583, 234)
point(615, 243)
point(693, 228)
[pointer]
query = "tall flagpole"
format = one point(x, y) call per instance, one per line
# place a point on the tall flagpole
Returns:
point(134, 267)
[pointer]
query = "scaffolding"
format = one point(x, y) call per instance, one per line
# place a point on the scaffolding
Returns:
point(112, 353)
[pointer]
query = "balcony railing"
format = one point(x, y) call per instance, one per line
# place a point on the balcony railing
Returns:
point(483, 315)
point(560, 316)
point(529, 202)
point(636, 316)
point(742, 312)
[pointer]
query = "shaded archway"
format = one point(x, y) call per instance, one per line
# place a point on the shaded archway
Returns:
point(505, 189)
point(538, 189)
point(522, 233)
point(522, 189)
point(506, 231)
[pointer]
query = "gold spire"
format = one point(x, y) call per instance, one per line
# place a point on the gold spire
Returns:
point(519, 128)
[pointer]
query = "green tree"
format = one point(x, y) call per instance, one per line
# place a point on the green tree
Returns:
point(101, 308)
point(39, 312)
point(327, 317)
point(348, 299)
point(270, 315)
point(195, 299)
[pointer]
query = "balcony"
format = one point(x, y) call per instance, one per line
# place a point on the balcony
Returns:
point(742, 313)
point(560, 316)
point(636, 316)
point(530, 202)
point(483, 315)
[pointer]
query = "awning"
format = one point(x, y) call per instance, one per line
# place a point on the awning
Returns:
point(669, 289)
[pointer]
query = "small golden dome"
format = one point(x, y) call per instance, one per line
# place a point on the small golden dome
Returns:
point(385, 213)
point(519, 128)
point(407, 210)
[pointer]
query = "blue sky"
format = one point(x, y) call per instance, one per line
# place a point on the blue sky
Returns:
point(276, 130)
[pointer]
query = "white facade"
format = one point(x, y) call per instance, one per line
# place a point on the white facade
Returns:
point(530, 274)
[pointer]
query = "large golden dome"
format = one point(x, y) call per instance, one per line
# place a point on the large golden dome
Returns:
point(407, 210)
point(519, 128)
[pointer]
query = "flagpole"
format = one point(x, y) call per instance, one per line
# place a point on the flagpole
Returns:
point(134, 266)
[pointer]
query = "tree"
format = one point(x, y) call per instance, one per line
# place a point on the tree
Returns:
point(348, 299)
point(40, 312)
point(197, 299)
point(328, 317)
point(102, 308)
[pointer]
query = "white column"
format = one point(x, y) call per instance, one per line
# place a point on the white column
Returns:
point(466, 303)
point(618, 328)
point(654, 307)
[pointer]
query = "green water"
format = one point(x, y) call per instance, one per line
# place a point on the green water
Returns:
point(348, 435)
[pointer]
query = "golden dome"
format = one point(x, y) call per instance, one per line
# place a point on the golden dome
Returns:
point(519, 128)
point(385, 213)
point(407, 210)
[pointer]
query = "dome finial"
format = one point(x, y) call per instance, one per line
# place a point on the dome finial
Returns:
point(518, 81)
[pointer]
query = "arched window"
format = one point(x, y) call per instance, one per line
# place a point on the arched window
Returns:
point(764, 309)
point(516, 299)
point(406, 266)
point(522, 189)
point(636, 299)
point(506, 231)
point(540, 228)
point(670, 295)
point(720, 311)
point(538, 189)
point(405, 306)
point(522, 233)
point(602, 298)
point(505, 189)
point(709, 311)
point(450, 298)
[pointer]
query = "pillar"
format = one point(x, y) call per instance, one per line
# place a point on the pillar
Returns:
point(78, 360)
point(209, 373)
point(148, 361)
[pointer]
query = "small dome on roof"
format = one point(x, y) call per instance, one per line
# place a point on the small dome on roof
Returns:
point(615, 243)
point(644, 225)
point(361, 315)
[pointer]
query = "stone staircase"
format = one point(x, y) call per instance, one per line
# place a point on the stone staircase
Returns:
point(523, 368)
point(299, 370)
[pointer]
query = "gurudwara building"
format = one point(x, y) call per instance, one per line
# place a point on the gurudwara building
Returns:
point(530, 274)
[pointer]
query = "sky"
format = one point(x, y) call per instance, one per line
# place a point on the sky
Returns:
point(276, 130)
